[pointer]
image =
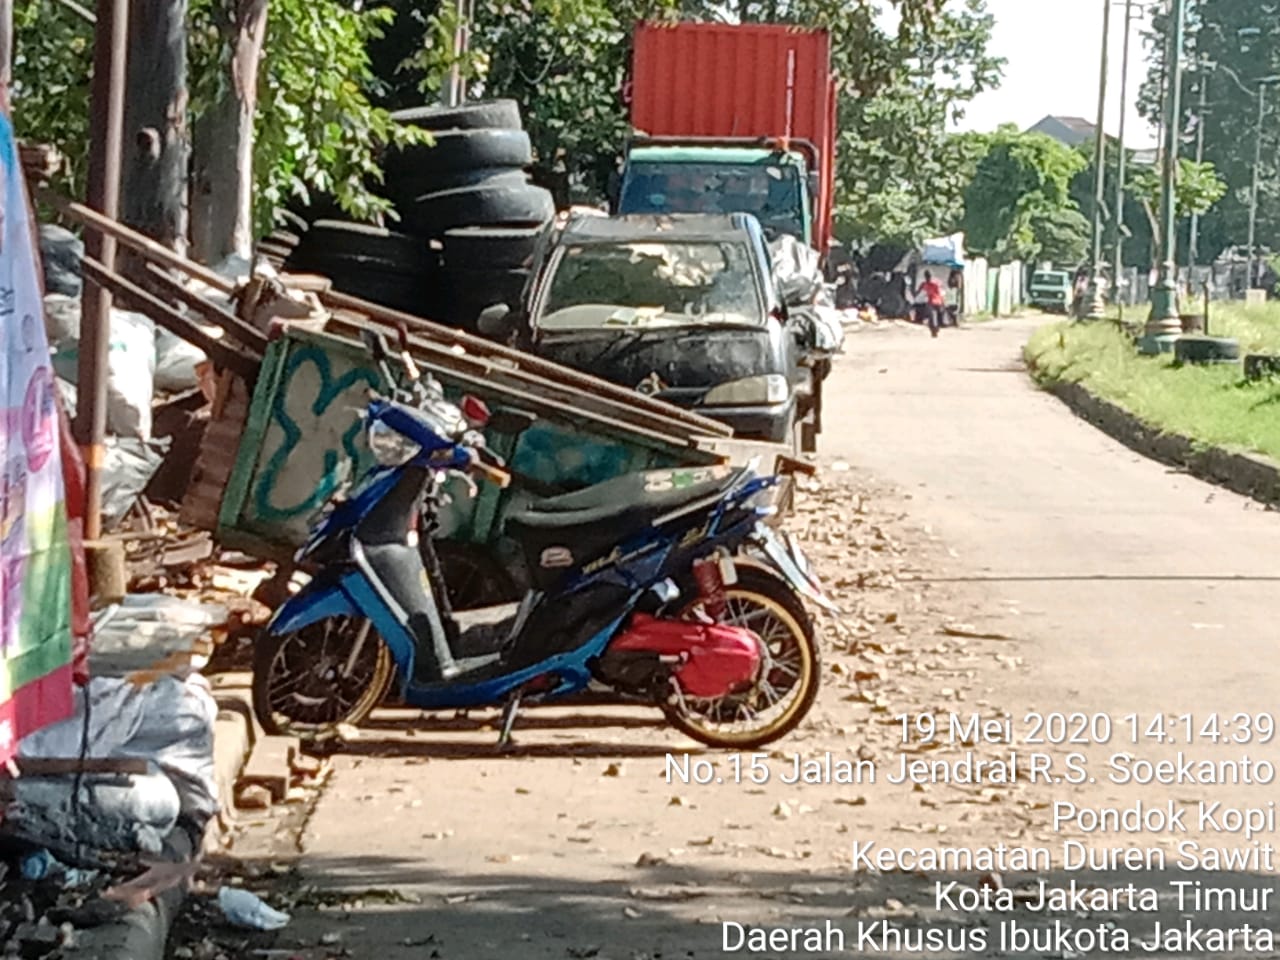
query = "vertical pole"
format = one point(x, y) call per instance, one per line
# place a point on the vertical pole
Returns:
point(1253, 197)
point(106, 117)
point(1117, 267)
point(1193, 252)
point(1097, 296)
point(1165, 320)
point(6, 52)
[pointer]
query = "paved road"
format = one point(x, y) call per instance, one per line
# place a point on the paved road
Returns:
point(1136, 588)
point(1124, 588)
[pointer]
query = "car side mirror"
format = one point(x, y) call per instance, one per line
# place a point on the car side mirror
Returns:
point(496, 321)
point(814, 183)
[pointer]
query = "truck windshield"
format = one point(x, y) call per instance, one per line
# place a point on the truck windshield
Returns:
point(651, 284)
point(773, 193)
point(1048, 278)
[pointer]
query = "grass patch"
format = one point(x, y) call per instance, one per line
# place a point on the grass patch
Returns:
point(1212, 405)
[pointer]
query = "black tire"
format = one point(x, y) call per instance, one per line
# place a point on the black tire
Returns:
point(288, 220)
point(482, 114)
point(408, 293)
point(339, 248)
point(1206, 350)
point(460, 150)
point(772, 594)
point(472, 248)
point(404, 191)
point(297, 685)
point(434, 214)
point(1260, 366)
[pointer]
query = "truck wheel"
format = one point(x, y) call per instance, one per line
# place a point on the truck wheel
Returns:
point(467, 116)
point(433, 214)
point(472, 248)
point(457, 151)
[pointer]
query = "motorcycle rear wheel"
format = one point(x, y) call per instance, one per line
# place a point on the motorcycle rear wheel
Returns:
point(306, 683)
point(765, 603)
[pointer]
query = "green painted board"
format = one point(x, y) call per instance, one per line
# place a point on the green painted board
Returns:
point(304, 436)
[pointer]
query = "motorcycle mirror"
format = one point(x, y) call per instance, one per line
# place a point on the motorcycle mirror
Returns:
point(475, 411)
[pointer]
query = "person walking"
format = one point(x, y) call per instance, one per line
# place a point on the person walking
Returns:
point(934, 301)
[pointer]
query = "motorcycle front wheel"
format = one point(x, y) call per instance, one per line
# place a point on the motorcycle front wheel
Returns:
point(308, 683)
point(783, 695)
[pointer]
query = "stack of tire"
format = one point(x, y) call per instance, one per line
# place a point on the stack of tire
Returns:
point(279, 245)
point(469, 197)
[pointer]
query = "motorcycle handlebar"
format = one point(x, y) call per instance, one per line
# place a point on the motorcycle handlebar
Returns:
point(495, 475)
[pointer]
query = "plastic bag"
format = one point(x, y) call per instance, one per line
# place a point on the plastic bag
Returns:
point(131, 364)
point(245, 909)
point(176, 362)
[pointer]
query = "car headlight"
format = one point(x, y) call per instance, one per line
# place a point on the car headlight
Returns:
point(768, 388)
point(389, 448)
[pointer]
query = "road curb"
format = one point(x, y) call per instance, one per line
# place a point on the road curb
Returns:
point(143, 932)
point(1247, 474)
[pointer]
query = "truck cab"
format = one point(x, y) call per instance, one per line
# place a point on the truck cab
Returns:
point(770, 183)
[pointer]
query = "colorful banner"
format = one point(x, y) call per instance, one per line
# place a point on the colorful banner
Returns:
point(35, 555)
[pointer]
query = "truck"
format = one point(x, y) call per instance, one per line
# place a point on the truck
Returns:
point(733, 118)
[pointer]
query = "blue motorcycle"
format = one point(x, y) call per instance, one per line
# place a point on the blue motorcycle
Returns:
point(663, 587)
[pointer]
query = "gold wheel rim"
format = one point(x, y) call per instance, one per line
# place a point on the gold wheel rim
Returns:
point(803, 673)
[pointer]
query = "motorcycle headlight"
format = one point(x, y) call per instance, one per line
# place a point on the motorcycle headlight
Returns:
point(769, 388)
point(389, 448)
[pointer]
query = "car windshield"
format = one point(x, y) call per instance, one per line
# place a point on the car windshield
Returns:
point(1048, 279)
point(650, 283)
point(769, 191)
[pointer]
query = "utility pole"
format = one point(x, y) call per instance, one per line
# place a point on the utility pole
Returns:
point(1117, 267)
point(1257, 165)
point(106, 133)
point(1165, 320)
point(1097, 296)
point(1193, 251)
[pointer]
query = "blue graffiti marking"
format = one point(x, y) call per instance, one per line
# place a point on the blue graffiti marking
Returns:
point(330, 390)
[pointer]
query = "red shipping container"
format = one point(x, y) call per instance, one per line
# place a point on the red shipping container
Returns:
point(740, 81)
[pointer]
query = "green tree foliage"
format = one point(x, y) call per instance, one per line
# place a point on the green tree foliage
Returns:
point(316, 128)
point(1231, 45)
point(1019, 202)
point(52, 52)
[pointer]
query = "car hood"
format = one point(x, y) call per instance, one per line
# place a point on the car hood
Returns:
point(687, 362)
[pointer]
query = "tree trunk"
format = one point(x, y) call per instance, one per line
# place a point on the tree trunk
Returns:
point(154, 188)
point(222, 170)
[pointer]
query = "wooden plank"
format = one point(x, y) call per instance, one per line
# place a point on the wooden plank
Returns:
point(557, 396)
point(217, 457)
point(566, 409)
point(249, 336)
point(531, 365)
point(64, 766)
point(221, 353)
point(134, 240)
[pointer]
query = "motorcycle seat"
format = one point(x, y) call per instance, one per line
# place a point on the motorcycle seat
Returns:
point(569, 531)
point(640, 497)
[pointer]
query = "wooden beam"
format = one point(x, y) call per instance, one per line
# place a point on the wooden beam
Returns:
point(245, 333)
point(528, 363)
point(135, 241)
point(222, 354)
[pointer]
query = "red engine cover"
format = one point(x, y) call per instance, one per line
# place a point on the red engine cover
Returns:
point(718, 659)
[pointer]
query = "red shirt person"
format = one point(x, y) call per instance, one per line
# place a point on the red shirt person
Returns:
point(935, 301)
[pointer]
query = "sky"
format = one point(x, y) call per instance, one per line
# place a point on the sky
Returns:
point(1052, 48)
